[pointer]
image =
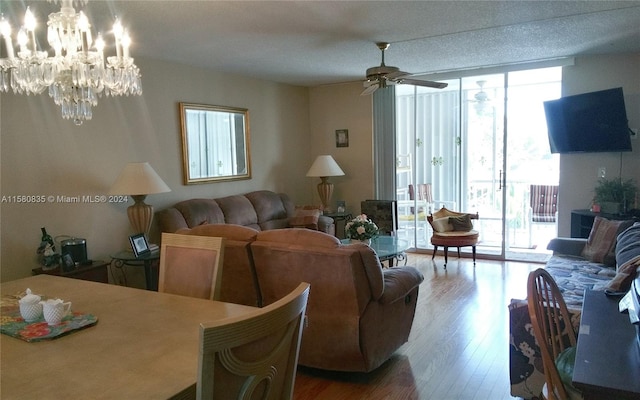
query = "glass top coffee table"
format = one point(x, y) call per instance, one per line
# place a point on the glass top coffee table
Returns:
point(388, 248)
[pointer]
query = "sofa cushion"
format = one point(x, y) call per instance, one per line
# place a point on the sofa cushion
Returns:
point(305, 219)
point(200, 211)
point(575, 274)
point(627, 272)
point(270, 209)
point(628, 245)
point(601, 241)
point(238, 210)
point(227, 231)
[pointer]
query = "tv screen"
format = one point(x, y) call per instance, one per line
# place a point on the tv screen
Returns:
point(588, 123)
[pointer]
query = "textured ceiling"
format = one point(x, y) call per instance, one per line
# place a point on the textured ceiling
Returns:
point(322, 42)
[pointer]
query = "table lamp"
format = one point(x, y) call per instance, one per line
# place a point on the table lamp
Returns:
point(138, 180)
point(323, 167)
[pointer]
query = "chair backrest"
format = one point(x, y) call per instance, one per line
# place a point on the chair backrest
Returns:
point(384, 213)
point(424, 192)
point(544, 202)
point(191, 265)
point(239, 282)
point(254, 356)
point(552, 326)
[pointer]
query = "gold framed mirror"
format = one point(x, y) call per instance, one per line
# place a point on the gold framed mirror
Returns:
point(215, 143)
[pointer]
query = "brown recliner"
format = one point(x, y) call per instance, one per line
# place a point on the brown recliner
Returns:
point(358, 314)
point(239, 283)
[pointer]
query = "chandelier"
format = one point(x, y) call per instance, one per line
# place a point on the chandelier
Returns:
point(77, 72)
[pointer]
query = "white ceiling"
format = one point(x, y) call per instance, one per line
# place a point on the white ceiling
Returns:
point(311, 43)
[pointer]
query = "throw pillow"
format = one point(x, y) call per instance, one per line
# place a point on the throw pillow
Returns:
point(305, 219)
point(627, 272)
point(602, 240)
point(441, 225)
point(461, 223)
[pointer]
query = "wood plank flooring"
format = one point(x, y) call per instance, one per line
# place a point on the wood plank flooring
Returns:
point(458, 347)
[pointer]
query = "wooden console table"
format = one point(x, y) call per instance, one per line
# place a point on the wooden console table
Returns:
point(608, 355)
point(96, 272)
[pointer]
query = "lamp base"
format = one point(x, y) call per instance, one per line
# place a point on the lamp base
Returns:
point(325, 191)
point(140, 214)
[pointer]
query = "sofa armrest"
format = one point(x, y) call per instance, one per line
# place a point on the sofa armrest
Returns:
point(398, 282)
point(327, 225)
point(567, 246)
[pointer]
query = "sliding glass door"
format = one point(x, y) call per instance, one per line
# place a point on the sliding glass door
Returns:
point(476, 146)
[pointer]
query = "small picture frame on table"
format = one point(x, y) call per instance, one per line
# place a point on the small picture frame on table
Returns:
point(67, 263)
point(139, 244)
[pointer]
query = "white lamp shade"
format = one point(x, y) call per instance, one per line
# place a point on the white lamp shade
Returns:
point(138, 179)
point(325, 166)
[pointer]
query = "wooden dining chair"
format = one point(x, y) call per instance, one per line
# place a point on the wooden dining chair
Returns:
point(191, 265)
point(553, 331)
point(254, 356)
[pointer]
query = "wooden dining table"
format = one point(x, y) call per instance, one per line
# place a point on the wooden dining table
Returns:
point(144, 345)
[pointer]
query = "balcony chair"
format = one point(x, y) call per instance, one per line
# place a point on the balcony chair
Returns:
point(453, 229)
point(255, 356)
point(191, 265)
point(543, 203)
point(554, 334)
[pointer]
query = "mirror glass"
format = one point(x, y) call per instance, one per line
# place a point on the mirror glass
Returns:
point(215, 143)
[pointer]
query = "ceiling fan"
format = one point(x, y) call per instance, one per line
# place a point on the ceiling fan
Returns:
point(384, 75)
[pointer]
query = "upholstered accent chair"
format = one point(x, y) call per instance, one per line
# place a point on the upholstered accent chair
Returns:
point(453, 229)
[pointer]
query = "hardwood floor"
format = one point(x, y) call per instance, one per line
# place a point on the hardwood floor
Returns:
point(458, 347)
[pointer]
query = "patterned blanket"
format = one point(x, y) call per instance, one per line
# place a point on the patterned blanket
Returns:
point(573, 275)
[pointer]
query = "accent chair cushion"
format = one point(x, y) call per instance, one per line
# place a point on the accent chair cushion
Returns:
point(461, 223)
point(442, 225)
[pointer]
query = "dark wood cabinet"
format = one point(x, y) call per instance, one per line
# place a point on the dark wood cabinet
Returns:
point(96, 272)
point(582, 221)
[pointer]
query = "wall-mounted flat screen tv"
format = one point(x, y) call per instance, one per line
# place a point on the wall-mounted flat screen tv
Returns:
point(588, 123)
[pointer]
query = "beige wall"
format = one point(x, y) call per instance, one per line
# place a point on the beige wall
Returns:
point(40, 153)
point(336, 107)
point(578, 172)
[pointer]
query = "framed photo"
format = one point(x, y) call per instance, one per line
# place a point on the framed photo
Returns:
point(139, 244)
point(67, 263)
point(342, 138)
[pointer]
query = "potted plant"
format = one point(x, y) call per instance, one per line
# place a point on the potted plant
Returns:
point(361, 229)
point(613, 195)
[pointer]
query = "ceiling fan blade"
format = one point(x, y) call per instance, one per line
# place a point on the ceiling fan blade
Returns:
point(418, 82)
point(396, 75)
point(370, 89)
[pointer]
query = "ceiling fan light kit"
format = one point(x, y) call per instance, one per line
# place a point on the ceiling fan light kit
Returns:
point(384, 75)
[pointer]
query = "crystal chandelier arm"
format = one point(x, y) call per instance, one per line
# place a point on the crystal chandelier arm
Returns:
point(5, 31)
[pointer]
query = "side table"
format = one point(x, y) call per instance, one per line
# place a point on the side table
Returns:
point(96, 272)
point(339, 216)
point(126, 257)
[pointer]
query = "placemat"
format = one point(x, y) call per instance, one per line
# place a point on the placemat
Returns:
point(12, 323)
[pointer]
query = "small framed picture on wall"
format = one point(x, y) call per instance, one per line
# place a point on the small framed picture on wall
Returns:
point(342, 138)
